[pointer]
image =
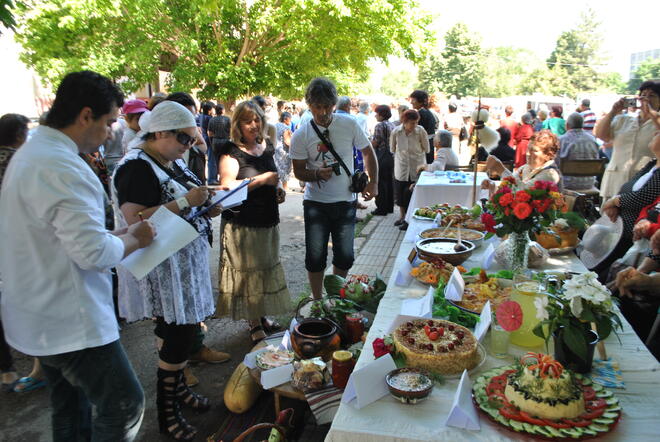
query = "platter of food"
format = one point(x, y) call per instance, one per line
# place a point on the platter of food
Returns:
point(432, 272)
point(481, 289)
point(474, 236)
point(274, 358)
point(540, 398)
point(458, 216)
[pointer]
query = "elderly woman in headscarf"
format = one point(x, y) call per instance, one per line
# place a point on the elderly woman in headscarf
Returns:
point(177, 292)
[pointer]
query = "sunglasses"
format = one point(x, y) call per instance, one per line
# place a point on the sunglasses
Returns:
point(184, 138)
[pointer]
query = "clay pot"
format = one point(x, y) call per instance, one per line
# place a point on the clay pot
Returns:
point(314, 337)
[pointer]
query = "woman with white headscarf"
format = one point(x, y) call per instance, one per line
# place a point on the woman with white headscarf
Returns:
point(178, 291)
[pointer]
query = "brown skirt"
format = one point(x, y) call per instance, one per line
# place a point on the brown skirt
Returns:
point(251, 278)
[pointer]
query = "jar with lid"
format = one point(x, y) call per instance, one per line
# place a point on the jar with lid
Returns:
point(354, 327)
point(342, 367)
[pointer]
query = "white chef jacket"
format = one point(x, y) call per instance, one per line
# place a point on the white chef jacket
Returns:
point(56, 254)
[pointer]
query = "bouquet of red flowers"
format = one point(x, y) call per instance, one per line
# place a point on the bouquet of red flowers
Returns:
point(514, 208)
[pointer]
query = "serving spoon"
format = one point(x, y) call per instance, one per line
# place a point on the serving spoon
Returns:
point(459, 246)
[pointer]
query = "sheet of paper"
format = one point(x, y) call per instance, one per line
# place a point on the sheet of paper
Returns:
point(419, 306)
point(367, 384)
point(250, 359)
point(484, 322)
point(172, 234)
point(463, 414)
point(232, 197)
point(455, 286)
point(286, 342)
point(403, 277)
point(488, 257)
point(293, 324)
point(276, 376)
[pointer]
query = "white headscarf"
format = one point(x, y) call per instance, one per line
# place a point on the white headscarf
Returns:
point(166, 115)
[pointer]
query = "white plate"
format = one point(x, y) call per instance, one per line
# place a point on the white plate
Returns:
point(482, 358)
point(422, 218)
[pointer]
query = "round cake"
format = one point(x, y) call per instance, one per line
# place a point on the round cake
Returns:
point(541, 387)
point(436, 345)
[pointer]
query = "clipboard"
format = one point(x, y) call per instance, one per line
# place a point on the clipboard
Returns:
point(229, 193)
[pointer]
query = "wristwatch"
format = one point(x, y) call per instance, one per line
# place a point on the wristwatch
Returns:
point(182, 203)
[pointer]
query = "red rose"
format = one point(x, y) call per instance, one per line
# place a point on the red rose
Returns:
point(506, 199)
point(522, 210)
point(505, 189)
point(322, 148)
point(537, 204)
point(510, 179)
point(380, 348)
point(488, 221)
point(522, 196)
point(544, 205)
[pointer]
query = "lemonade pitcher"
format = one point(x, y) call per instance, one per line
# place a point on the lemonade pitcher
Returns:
point(525, 291)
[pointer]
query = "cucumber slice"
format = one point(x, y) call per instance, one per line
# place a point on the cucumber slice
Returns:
point(516, 425)
point(493, 413)
point(572, 432)
point(599, 428)
point(543, 432)
point(530, 428)
point(554, 432)
point(604, 394)
point(501, 419)
point(587, 382)
point(614, 409)
point(597, 387)
point(603, 421)
point(612, 401)
point(589, 432)
point(610, 415)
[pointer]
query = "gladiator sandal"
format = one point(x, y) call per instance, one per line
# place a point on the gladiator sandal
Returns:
point(185, 396)
point(170, 419)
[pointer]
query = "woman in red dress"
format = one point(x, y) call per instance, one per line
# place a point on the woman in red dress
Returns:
point(523, 134)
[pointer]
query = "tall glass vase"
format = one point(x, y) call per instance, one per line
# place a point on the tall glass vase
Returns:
point(518, 251)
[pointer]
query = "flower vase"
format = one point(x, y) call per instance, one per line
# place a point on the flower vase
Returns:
point(518, 251)
point(571, 360)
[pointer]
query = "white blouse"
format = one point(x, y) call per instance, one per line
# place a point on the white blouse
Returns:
point(409, 152)
point(56, 253)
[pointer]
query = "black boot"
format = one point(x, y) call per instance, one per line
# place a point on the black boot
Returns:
point(185, 396)
point(170, 419)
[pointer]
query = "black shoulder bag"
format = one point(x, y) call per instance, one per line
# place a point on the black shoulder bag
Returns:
point(359, 179)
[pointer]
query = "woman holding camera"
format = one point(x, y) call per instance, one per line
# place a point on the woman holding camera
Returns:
point(252, 282)
point(631, 135)
point(178, 291)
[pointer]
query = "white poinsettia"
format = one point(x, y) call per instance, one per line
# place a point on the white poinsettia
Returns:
point(541, 304)
point(587, 287)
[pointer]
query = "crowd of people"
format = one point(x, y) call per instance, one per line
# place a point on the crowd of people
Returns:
point(82, 186)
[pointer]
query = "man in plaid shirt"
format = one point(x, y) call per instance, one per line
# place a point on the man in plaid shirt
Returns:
point(577, 144)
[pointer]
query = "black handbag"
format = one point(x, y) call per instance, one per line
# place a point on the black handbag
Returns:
point(359, 179)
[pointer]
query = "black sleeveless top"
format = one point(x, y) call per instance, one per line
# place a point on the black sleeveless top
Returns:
point(260, 209)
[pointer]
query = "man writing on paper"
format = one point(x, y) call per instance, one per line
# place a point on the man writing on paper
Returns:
point(329, 205)
point(55, 263)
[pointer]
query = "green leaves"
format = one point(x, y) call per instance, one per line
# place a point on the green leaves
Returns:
point(221, 48)
point(575, 339)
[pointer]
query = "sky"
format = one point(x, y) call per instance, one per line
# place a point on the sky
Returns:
point(536, 25)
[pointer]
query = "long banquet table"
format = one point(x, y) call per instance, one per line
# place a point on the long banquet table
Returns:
point(389, 420)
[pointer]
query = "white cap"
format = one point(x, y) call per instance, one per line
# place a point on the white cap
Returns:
point(167, 115)
point(600, 240)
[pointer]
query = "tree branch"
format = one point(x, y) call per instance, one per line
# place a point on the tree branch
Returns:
point(246, 44)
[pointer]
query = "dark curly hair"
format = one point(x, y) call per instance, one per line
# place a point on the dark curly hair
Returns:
point(13, 129)
point(410, 115)
point(384, 111)
point(421, 96)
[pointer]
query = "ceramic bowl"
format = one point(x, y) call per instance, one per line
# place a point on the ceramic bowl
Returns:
point(474, 236)
point(409, 385)
point(432, 248)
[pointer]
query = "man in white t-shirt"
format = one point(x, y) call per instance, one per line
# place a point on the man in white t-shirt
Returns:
point(329, 205)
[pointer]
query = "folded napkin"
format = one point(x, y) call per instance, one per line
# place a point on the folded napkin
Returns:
point(607, 373)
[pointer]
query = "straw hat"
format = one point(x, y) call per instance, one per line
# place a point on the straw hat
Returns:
point(600, 240)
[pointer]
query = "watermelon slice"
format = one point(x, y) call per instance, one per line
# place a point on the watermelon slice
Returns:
point(509, 315)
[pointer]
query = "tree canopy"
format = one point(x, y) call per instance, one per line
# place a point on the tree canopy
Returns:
point(647, 70)
point(222, 48)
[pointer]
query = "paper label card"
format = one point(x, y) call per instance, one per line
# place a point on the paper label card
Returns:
point(403, 276)
point(367, 384)
point(400, 319)
point(293, 324)
point(438, 220)
point(419, 306)
point(484, 322)
point(463, 414)
point(488, 257)
point(286, 342)
point(455, 286)
point(276, 376)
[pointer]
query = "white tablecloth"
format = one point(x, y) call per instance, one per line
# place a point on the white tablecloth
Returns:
point(389, 420)
point(433, 188)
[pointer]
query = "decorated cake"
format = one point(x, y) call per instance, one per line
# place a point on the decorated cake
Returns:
point(541, 387)
point(438, 346)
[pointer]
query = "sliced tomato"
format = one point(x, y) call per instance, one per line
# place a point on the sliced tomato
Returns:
point(592, 414)
point(501, 379)
point(589, 393)
point(510, 412)
point(531, 419)
point(596, 404)
point(556, 424)
point(493, 388)
point(577, 422)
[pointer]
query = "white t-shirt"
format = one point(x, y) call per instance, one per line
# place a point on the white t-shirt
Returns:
point(344, 133)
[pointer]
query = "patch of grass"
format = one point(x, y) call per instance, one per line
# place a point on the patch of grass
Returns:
point(360, 226)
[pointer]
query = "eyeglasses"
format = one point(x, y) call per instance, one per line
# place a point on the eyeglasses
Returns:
point(184, 138)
